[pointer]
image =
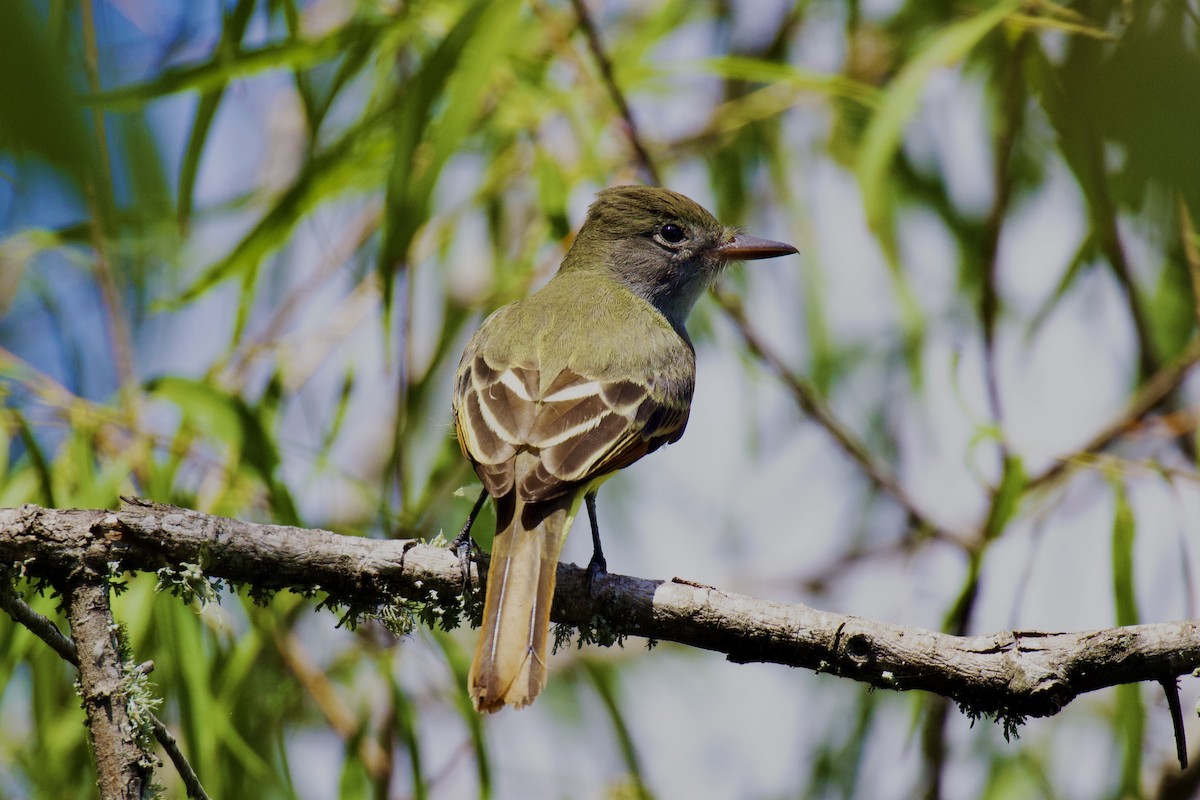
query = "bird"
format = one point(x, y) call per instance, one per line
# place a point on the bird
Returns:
point(556, 392)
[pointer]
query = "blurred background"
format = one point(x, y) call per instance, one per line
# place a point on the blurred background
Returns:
point(243, 243)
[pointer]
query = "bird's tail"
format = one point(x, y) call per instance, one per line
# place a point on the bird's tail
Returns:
point(509, 667)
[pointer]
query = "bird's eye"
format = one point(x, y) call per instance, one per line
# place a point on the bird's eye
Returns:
point(671, 233)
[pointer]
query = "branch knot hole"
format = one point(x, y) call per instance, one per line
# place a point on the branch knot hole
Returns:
point(858, 648)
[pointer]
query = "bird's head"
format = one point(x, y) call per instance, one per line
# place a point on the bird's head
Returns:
point(663, 246)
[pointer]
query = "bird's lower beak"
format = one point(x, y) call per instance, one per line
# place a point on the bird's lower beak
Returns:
point(744, 247)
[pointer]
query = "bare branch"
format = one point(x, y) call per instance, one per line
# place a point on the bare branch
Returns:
point(45, 629)
point(123, 767)
point(1171, 688)
point(166, 741)
point(596, 47)
point(1010, 674)
point(40, 625)
point(811, 403)
point(1153, 391)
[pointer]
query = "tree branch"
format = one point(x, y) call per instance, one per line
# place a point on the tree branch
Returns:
point(123, 767)
point(45, 629)
point(1009, 674)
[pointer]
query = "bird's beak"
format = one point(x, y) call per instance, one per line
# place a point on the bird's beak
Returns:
point(744, 247)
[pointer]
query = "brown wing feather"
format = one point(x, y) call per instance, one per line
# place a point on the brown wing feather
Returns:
point(581, 427)
point(492, 418)
point(601, 427)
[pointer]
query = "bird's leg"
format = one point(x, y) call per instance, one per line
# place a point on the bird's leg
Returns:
point(463, 544)
point(597, 567)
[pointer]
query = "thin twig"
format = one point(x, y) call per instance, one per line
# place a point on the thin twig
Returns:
point(354, 235)
point(376, 761)
point(191, 781)
point(811, 403)
point(38, 624)
point(1171, 689)
point(818, 581)
point(1152, 393)
point(99, 202)
point(1114, 251)
point(1159, 387)
point(644, 161)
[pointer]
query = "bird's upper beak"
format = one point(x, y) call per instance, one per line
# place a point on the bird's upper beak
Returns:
point(744, 247)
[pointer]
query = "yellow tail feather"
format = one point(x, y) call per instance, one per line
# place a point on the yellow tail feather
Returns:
point(509, 667)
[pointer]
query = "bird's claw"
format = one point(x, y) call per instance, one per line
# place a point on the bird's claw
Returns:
point(596, 568)
point(463, 546)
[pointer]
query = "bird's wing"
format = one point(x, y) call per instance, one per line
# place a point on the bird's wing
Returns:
point(580, 427)
point(587, 427)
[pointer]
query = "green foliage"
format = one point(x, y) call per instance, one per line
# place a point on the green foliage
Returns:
point(1130, 714)
point(882, 138)
point(39, 111)
point(272, 335)
point(603, 679)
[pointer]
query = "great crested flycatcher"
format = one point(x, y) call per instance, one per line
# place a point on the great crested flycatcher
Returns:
point(556, 392)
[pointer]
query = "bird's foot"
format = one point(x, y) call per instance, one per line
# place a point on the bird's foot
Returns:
point(596, 568)
point(464, 546)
